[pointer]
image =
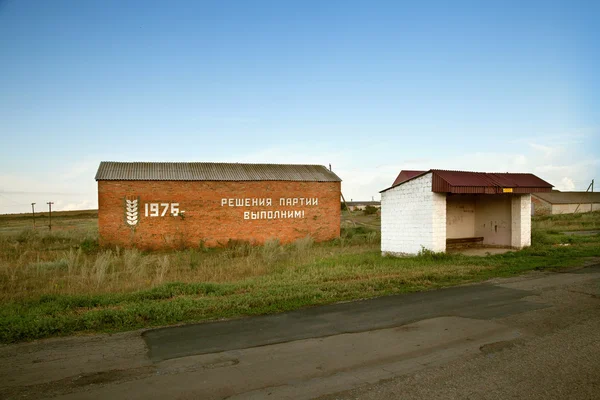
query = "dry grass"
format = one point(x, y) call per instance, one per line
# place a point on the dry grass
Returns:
point(61, 282)
point(68, 261)
point(34, 263)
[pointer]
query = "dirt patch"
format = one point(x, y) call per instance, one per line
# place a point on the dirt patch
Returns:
point(76, 383)
point(480, 251)
point(497, 346)
point(115, 375)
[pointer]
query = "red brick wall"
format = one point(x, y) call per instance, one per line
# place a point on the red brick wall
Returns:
point(540, 207)
point(207, 220)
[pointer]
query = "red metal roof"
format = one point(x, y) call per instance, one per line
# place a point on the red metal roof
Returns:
point(444, 181)
point(405, 175)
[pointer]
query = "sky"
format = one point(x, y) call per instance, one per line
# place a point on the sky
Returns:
point(370, 87)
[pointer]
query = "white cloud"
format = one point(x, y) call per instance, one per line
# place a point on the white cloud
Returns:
point(82, 205)
point(566, 184)
point(549, 162)
point(547, 151)
point(365, 170)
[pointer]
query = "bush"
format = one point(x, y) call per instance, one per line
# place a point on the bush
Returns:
point(89, 245)
point(26, 235)
point(349, 233)
point(541, 238)
point(370, 210)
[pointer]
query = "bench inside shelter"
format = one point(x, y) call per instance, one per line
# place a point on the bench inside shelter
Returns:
point(465, 241)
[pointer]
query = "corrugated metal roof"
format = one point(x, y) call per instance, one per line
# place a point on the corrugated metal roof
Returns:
point(203, 171)
point(493, 179)
point(570, 197)
point(486, 182)
point(445, 181)
point(405, 175)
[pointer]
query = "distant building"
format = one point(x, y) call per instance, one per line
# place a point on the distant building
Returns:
point(159, 205)
point(431, 209)
point(565, 202)
point(361, 205)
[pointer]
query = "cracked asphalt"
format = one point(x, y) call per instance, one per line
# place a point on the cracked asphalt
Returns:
point(531, 337)
point(557, 356)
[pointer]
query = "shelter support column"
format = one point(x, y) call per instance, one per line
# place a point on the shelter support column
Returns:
point(438, 225)
point(521, 220)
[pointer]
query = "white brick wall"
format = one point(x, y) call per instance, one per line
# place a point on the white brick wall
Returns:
point(412, 216)
point(521, 220)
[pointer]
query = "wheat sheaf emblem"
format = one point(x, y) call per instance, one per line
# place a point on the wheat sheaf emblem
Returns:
point(131, 211)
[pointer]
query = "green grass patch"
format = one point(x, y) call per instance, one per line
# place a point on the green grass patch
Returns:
point(61, 283)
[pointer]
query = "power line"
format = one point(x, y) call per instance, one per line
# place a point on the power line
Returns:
point(12, 201)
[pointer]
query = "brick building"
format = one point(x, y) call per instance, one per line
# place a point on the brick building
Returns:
point(361, 205)
point(431, 209)
point(157, 205)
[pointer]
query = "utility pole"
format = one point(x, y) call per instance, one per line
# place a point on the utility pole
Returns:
point(33, 214)
point(591, 202)
point(344, 200)
point(50, 214)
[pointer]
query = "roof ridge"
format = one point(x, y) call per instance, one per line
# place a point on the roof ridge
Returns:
point(213, 171)
point(480, 172)
point(453, 180)
point(208, 162)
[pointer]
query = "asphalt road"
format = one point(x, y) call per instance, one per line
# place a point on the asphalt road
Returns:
point(531, 337)
point(484, 301)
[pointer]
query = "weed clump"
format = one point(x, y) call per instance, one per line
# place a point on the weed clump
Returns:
point(430, 255)
point(89, 245)
point(303, 245)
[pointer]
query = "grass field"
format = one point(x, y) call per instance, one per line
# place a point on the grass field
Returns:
point(61, 221)
point(61, 282)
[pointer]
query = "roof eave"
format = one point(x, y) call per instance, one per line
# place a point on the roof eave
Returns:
point(408, 180)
